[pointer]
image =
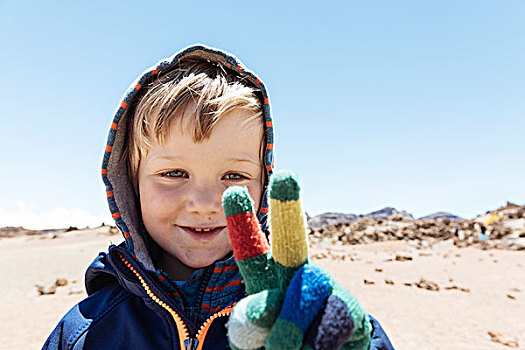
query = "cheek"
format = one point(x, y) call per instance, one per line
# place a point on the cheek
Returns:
point(156, 202)
point(255, 191)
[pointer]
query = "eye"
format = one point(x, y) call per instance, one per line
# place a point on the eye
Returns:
point(173, 174)
point(234, 177)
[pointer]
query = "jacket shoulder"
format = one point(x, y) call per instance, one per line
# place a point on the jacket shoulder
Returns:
point(84, 315)
point(380, 340)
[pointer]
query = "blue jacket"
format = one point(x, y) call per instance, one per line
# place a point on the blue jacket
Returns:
point(128, 309)
point(130, 304)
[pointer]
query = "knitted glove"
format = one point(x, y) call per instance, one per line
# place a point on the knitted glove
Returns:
point(291, 303)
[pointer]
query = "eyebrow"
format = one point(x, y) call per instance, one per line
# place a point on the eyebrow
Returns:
point(230, 159)
point(242, 160)
point(170, 158)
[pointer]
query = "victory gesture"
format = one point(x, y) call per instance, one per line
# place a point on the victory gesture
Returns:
point(291, 303)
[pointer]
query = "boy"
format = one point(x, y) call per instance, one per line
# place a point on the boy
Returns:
point(186, 130)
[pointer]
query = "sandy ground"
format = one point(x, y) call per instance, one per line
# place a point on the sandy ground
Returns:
point(414, 318)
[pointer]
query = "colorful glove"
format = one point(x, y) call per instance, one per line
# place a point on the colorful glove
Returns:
point(291, 303)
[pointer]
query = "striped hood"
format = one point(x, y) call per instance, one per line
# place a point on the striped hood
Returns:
point(122, 200)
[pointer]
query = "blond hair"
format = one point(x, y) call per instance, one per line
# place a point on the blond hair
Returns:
point(207, 87)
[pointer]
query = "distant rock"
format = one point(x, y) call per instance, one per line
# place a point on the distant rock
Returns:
point(387, 213)
point(49, 288)
point(327, 219)
point(426, 284)
point(60, 282)
point(507, 340)
point(516, 244)
point(10, 231)
point(442, 215)
point(331, 218)
point(403, 257)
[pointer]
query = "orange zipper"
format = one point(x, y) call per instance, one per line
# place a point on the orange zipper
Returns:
point(201, 334)
point(185, 341)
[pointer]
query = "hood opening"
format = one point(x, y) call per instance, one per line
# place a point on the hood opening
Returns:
point(122, 199)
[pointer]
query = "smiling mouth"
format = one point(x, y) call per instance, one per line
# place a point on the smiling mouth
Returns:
point(202, 229)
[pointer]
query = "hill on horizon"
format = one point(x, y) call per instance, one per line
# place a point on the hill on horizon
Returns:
point(330, 218)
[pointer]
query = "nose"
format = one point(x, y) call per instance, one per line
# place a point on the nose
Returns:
point(205, 200)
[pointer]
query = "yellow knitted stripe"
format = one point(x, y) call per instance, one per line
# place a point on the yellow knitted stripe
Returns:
point(289, 239)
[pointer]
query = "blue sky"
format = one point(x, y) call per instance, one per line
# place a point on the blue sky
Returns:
point(413, 104)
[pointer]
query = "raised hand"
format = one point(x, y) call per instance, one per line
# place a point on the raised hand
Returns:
point(291, 303)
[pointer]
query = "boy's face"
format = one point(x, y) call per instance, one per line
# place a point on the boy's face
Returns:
point(181, 185)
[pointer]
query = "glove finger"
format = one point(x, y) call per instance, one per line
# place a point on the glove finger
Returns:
point(287, 221)
point(305, 297)
point(249, 243)
point(342, 323)
point(332, 327)
point(252, 319)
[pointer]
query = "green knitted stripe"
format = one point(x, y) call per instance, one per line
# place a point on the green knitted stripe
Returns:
point(357, 344)
point(258, 273)
point(236, 200)
point(263, 308)
point(360, 338)
point(233, 347)
point(285, 335)
point(284, 186)
point(286, 274)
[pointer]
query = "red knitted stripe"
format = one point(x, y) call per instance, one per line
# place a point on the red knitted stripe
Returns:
point(221, 288)
point(246, 236)
point(225, 268)
point(210, 308)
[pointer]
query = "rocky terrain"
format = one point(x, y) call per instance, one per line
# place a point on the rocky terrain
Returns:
point(17, 231)
point(427, 290)
point(10, 231)
point(505, 228)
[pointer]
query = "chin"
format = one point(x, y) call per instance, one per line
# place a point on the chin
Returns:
point(200, 263)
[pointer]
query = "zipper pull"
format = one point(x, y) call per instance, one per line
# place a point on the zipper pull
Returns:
point(191, 343)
